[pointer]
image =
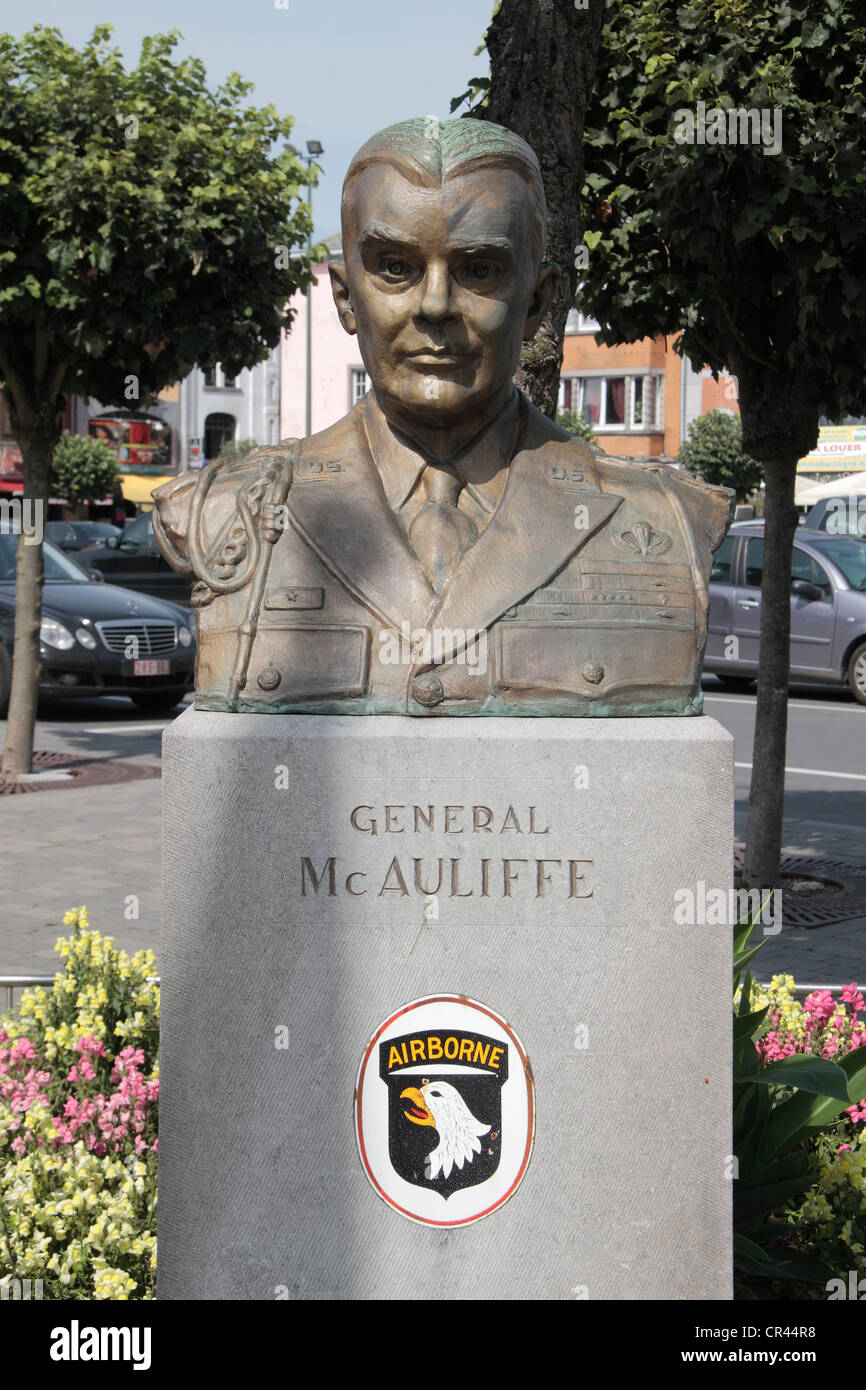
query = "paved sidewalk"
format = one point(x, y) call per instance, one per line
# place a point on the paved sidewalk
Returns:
point(101, 845)
point(93, 845)
point(834, 954)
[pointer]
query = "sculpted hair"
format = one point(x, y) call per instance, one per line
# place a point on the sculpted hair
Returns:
point(428, 152)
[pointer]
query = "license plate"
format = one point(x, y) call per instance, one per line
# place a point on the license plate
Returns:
point(151, 668)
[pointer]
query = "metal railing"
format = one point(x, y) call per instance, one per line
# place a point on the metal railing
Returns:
point(10, 983)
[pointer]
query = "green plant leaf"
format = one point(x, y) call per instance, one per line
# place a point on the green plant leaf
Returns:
point(747, 1250)
point(797, 1118)
point(761, 1201)
point(747, 1024)
point(816, 1075)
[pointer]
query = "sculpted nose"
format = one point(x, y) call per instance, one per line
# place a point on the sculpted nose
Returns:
point(436, 302)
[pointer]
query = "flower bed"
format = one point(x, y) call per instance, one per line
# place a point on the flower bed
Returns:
point(830, 1217)
point(79, 1088)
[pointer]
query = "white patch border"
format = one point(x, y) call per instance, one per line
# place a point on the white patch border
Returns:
point(371, 1119)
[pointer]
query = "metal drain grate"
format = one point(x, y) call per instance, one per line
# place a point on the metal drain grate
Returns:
point(86, 771)
point(842, 897)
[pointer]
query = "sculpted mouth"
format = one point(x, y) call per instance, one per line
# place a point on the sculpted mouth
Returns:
point(436, 355)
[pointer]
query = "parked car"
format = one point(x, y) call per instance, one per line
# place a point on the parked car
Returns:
point(78, 535)
point(135, 561)
point(98, 639)
point(828, 609)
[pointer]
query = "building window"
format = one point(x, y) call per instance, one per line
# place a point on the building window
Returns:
point(218, 430)
point(215, 377)
point(581, 323)
point(616, 403)
point(360, 384)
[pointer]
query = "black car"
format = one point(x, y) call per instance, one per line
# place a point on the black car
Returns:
point(134, 560)
point(78, 535)
point(98, 639)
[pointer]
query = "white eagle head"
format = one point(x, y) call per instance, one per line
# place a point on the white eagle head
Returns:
point(442, 1107)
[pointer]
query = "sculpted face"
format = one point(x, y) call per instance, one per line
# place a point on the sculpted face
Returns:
point(441, 286)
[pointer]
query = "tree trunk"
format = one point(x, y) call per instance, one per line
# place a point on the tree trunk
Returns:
point(37, 436)
point(542, 69)
point(767, 796)
point(780, 426)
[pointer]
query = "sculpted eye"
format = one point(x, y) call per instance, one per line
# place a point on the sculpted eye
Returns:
point(394, 267)
point(480, 274)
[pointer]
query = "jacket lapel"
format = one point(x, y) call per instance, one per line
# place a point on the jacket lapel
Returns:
point(345, 518)
point(533, 533)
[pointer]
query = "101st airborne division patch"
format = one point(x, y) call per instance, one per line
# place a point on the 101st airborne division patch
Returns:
point(445, 1110)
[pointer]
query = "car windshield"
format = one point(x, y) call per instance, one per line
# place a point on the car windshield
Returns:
point(58, 567)
point(847, 554)
point(90, 530)
point(139, 533)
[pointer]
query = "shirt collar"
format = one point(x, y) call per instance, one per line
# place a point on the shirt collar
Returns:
point(482, 462)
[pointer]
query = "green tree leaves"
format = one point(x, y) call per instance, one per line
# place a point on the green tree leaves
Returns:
point(144, 210)
point(82, 469)
point(714, 451)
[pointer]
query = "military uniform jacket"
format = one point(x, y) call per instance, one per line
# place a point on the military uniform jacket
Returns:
point(311, 600)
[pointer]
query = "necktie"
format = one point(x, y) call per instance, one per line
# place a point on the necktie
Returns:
point(440, 532)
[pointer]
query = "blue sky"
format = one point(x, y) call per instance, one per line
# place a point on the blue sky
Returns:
point(342, 68)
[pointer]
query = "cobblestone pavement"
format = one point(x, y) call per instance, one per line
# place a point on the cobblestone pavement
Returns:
point(100, 846)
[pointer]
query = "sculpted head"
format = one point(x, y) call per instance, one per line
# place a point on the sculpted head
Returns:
point(443, 275)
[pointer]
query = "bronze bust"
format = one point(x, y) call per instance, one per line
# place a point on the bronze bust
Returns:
point(445, 549)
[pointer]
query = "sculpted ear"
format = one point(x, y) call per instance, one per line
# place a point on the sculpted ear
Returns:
point(542, 298)
point(340, 291)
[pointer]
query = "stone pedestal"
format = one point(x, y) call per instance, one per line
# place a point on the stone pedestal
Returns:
point(295, 925)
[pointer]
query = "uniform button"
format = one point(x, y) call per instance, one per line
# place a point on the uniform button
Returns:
point(592, 672)
point(427, 690)
point(269, 679)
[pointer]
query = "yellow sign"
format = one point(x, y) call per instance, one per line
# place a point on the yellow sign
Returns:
point(840, 449)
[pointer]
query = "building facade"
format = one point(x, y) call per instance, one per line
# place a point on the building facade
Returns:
point(338, 378)
point(640, 398)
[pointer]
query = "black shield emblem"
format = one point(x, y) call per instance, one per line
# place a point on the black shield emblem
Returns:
point(444, 1107)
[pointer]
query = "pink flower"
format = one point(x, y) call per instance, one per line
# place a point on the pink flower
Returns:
point(820, 1005)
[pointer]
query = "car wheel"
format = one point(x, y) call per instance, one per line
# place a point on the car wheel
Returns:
point(735, 682)
point(857, 673)
point(156, 703)
point(5, 680)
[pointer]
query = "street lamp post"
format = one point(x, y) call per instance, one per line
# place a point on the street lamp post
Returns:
point(314, 148)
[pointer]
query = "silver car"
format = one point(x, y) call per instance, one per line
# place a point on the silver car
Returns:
point(828, 609)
